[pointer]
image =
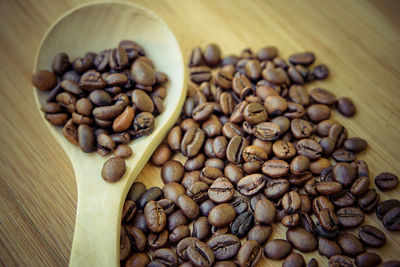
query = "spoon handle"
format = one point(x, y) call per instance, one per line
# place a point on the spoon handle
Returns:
point(98, 222)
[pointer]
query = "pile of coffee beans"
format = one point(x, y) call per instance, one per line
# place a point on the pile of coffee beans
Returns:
point(104, 100)
point(257, 149)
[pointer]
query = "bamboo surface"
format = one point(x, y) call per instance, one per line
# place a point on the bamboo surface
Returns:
point(358, 40)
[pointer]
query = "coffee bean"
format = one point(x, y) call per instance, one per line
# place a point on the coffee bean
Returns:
point(136, 190)
point(140, 222)
point(155, 217)
point(183, 245)
point(209, 174)
point(321, 202)
point(277, 249)
point(220, 146)
point(294, 259)
point(265, 211)
point(196, 58)
point(368, 201)
point(276, 188)
point(175, 219)
point(360, 186)
point(309, 148)
point(212, 55)
point(153, 193)
point(224, 246)
point(386, 181)
point(138, 259)
point(328, 247)
point(221, 190)
point(350, 244)
point(355, 144)
point(275, 168)
point(304, 58)
point(346, 106)
point(322, 96)
point(198, 191)
point(249, 254)
point(368, 259)
point(329, 188)
point(189, 207)
point(328, 219)
point(192, 142)
point(391, 220)
point(167, 205)
point(172, 191)
point(338, 133)
point(283, 149)
point(318, 112)
point(344, 173)
point(113, 169)
point(235, 149)
point(267, 131)
point(200, 254)
point(343, 155)
point(128, 211)
point(180, 232)
point(301, 239)
point(161, 156)
point(139, 239)
point(251, 184)
point(174, 138)
point(350, 217)
point(391, 263)
point(166, 256)
point(200, 74)
point(385, 206)
point(291, 202)
point(91, 80)
point(340, 260)
point(172, 171)
point(242, 224)
point(44, 80)
point(125, 247)
point(372, 236)
point(221, 215)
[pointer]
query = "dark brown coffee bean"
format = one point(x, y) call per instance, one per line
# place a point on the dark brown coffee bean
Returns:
point(136, 190)
point(176, 219)
point(309, 148)
point(303, 58)
point(340, 261)
point(276, 188)
point(51, 107)
point(350, 244)
point(265, 211)
point(255, 113)
point(328, 219)
point(360, 186)
point(301, 239)
point(220, 146)
point(355, 144)
point(290, 220)
point(202, 112)
point(166, 256)
point(235, 149)
point(198, 191)
point(167, 205)
point(338, 133)
point(230, 130)
point(267, 53)
point(386, 181)
point(350, 217)
point(260, 233)
point(196, 163)
point(318, 112)
point(325, 233)
point(294, 259)
point(301, 128)
point(161, 156)
point(221, 190)
point(329, 188)
point(251, 184)
point(240, 204)
point(173, 191)
point(138, 259)
point(295, 76)
point(179, 233)
point(344, 173)
point(343, 155)
point(291, 202)
point(249, 254)
point(192, 142)
point(346, 106)
point(125, 247)
point(189, 207)
point(368, 201)
point(391, 263)
point(267, 131)
point(368, 259)
point(196, 58)
point(322, 96)
point(44, 80)
point(328, 247)
point(172, 171)
point(224, 246)
point(275, 168)
point(343, 199)
point(174, 138)
point(277, 249)
point(183, 245)
point(224, 80)
point(212, 55)
point(317, 166)
point(299, 95)
point(321, 202)
point(372, 236)
point(155, 217)
point(254, 153)
point(140, 222)
point(113, 169)
point(283, 149)
point(153, 193)
point(391, 220)
point(92, 80)
point(328, 146)
point(139, 239)
point(200, 74)
point(200, 254)
point(253, 69)
point(209, 174)
point(201, 228)
point(221, 215)
point(242, 224)
point(385, 206)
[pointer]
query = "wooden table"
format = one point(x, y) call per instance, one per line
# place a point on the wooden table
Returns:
point(358, 40)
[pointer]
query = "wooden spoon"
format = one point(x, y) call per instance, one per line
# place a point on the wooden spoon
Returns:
point(95, 27)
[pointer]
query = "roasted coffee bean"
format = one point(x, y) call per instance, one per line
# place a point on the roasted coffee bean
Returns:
point(276, 188)
point(301, 128)
point(309, 148)
point(322, 96)
point(121, 138)
point(391, 220)
point(275, 168)
point(161, 156)
point(240, 204)
point(192, 142)
point(249, 254)
point(60, 63)
point(294, 259)
point(305, 203)
point(235, 149)
point(372, 236)
point(298, 94)
point(183, 245)
point(167, 205)
point(251, 184)
point(318, 112)
point(44, 80)
point(328, 219)
point(219, 230)
point(290, 220)
point(346, 106)
point(295, 76)
point(136, 190)
point(254, 199)
point(179, 233)
point(198, 191)
point(196, 163)
point(267, 53)
point(155, 217)
point(283, 149)
point(255, 113)
point(86, 138)
point(51, 107)
point(328, 146)
point(221, 190)
point(201, 228)
point(158, 240)
point(166, 256)
point(200, 74)
point(260, 233)
point(350, 244)
point(125, 247)
point(265, 211)
point(176, 219)
point(299, 165)
point(153, 193)
point(391, 263)
point(368, 201)
point(230, 130)
point(113, 169)
point(172, 171)
point(189, 207)
point(209, 174)
point(212, 55)
point(317, 166)
point(128, 211)
point(329, 188)
point(321, 202)
point(124, 120)
point(386, 181)
point(304, 58)
point(224, 246)
point(215, 163)
point(355, 144)
point(301, 239)
point(338, 133)
point(91, 80)
point(196, 58)
point(343, 155)
point(139, 239)
point(220, 146)
point(140, 222)
point(222, 215)
point(139, 259)
point(360, 186)
point(344, 173)
point(267, 131)
point(328, 247)
point(277, 249)
point(253, 69)
point(368, 259)
point(174, 138)
point(224, 79)
point(212, 127)
point(223, 264)
point(291, 202)
point(202, 112)
point(350, 217)
point(172, 191)
point(385, 206)
point(200, 254)
point(275, 105)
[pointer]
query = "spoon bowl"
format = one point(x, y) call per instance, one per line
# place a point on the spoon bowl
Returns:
point(95, 27)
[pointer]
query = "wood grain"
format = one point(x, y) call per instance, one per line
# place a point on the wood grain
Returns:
point(358, 40)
